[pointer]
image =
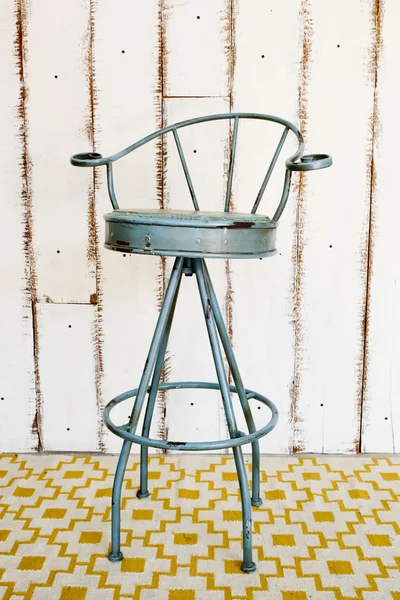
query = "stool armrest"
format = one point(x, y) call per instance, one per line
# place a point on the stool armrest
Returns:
point(88, 159)
point(94, 159)
point(309, 162)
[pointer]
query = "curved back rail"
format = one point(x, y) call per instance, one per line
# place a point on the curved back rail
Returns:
point(297, 162)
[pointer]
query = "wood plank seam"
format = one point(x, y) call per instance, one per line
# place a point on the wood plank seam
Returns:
point(231, 61)
point(21, 10)
point(297, 443)
point(376, 51)
point(161, 170)
point(93, 240)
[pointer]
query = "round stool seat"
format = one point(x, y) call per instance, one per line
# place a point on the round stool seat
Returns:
point(190, 233)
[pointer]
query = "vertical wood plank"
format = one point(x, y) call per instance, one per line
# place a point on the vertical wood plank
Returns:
point(268, 52)
point(58, 107)
point(191, 71)
point(58, 127)
point(381, 410)
point(127, 86)
point(18, 428)
point(333, 224)
point(195, 415)
point(196, 54)
point(68, 377)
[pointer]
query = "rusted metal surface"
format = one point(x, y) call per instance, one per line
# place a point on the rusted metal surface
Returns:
point(240, 225)
point(248, 528)
point(208, 309)
point(378, 7)
point(304, 79)
point(93, 251)
point(160, 239)
point(176, 444)
point(21, 10)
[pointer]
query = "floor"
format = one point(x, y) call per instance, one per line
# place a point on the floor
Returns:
point(329, 528)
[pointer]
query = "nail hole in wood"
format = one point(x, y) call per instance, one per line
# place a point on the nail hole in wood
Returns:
point(330, 245)
point(198, 17)
point(55, 76)
point(386, 418)
point(321, 404)
point(124, 255)
point(338, 45)
point(70, 326)
point(67, 428)
point(191, 404)
point(259, 407)
point(262, 55)
point(2, 398)
point(123, 51)
point(58, 252)
point(195, 151)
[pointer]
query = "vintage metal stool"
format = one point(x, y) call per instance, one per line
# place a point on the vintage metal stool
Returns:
point(192, 236)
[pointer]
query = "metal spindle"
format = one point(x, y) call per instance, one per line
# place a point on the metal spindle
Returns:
point(184, 165)
point(285, 194)
point(269, 172)
point(110, 184)
point(231, 164)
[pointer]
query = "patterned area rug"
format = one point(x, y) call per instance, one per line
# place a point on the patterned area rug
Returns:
point(329, 528)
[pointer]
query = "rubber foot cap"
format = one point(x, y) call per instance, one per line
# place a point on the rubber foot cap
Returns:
point(115, 557)
point(256, 502)
point(248, 569)
point(140, 494)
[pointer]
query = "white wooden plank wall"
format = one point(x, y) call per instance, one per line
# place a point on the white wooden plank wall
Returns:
point(315, 328)
point(381, 407)
point(18, 417)
point(333, 227)
point(128, 106)
point(268, 54)
point(65, 268)
point(194, 86)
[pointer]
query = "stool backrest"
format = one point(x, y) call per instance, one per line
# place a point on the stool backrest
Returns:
point(312, 162)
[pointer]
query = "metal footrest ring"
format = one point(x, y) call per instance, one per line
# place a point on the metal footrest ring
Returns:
point(122, 431)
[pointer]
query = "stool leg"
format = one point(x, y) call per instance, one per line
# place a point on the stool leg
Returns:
point(116, 554)
point(248, 564)
point(255, 447)
point(143, 492)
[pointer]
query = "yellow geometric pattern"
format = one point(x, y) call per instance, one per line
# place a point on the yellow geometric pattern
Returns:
point(329, 529)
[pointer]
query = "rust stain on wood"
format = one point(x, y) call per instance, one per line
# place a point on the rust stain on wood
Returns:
point(161, 158)
point(229, 26)
point(93, 251)
point(230, 53)
point(20, 52)
point(304, 79)
point(368, 246)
